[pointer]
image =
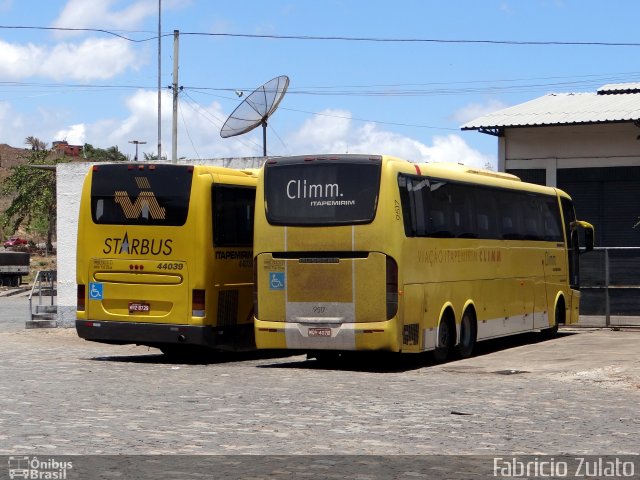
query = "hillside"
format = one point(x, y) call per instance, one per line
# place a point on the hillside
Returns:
point(9, 156)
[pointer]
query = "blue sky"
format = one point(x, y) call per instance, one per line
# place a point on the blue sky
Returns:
point(400, 98)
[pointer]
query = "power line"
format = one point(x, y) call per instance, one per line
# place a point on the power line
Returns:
point(339, 38)
point(214, 120)
point(413, 40)
point(342, 116)
point(70, 29)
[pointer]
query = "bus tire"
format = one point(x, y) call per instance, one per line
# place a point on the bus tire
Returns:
point(558, 318)
point(445, 340)
point(468, 333)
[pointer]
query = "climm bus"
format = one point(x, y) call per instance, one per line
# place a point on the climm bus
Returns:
point(360, 252)
point(164, 256)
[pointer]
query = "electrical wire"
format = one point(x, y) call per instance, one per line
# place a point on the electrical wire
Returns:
point(186, 128)
point(340, 38)
point(214, 120)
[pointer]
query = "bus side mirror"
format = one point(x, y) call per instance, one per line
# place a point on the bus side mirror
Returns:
point(588, 235)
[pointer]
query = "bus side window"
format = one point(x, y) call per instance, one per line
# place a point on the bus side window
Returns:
point(233, 210)
point(551, 220)
point(509, 210)
point(486, 213)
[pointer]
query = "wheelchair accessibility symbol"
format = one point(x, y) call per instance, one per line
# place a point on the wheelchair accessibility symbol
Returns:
point(276, 280)
point(95, 291)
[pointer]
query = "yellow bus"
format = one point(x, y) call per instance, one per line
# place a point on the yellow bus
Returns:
point(164, 256)
point(356, 252)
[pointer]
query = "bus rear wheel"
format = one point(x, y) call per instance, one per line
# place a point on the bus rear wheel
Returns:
point(445, 340)
point(467, 335)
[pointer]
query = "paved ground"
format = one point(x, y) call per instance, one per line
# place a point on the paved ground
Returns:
point(578, 394)
point(14, 312)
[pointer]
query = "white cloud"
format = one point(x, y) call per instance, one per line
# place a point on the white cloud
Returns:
point(334, 132)
point(198, 129)
point(93, 59)
point(75, 134)
point(474, 110)
point(103, 14)
point(199, 137)
point(100, 14)
point(10, 123)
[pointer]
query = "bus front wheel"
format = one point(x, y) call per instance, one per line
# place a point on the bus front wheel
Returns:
point(558, 319)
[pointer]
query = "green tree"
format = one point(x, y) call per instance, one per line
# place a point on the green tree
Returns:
point(111, 154)
point(32, 187)
point(152, 156)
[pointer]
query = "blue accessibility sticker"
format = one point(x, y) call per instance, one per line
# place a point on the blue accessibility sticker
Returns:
point(276, 280)
point(95, 291)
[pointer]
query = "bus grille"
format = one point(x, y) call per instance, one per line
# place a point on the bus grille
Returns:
point(227, 307)
point(410, 334)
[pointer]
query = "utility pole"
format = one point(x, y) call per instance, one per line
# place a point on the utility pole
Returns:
point(159, 81)
point(136, 143)
point(174, 129)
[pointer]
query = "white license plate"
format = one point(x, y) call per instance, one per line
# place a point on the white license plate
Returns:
point(319, 332)
point(139, 307)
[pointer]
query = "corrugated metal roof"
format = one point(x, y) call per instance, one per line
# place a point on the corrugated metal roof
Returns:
point(564, 109)
point(619, 88)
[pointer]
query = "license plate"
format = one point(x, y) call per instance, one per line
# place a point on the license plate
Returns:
point(139, 307)
point(319, 332)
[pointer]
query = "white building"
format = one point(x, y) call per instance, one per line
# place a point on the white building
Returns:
point(587, 144)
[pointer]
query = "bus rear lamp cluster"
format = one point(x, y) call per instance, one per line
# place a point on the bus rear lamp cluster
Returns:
point(198, 303)
point(392, 287)
point(136, 267)
point(80, 299)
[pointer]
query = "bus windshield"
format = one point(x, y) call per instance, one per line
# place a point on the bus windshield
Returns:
point(322, 192)
point(126, 195)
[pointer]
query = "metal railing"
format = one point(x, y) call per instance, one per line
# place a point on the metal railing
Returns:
point(44, 285)
point(610, 284)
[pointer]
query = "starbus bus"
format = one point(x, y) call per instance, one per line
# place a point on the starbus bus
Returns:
point(360, 252)
point(164, 256)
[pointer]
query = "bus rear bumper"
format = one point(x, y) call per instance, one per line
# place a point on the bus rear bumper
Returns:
point(156, 334)
point(374, 336)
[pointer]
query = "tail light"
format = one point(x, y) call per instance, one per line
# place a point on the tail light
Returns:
point(255, 287)
point(80, 298)
point(197, 303)
point(392, 288)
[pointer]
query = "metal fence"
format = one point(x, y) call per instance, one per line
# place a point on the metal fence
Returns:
point(610, 285)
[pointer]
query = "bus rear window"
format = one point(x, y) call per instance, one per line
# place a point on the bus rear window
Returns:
point(303, 192)
point(140, 194)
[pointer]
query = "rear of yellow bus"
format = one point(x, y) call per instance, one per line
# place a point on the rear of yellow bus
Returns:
point(324, 267)
point(147, 270)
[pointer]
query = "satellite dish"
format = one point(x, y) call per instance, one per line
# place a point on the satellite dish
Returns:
point(256, 109)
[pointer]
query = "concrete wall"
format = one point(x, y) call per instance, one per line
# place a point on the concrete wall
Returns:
point(69, 179)
point(574, 146)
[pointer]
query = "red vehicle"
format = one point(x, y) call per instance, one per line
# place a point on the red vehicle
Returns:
point(15, 242)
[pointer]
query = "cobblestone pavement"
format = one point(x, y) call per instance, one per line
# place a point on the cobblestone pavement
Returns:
point(577, 394)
